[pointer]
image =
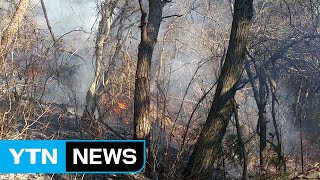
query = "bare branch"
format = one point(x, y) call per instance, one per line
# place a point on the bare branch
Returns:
point(47, 21)
point(174, 15)
point(164, 2)
point(142, 8)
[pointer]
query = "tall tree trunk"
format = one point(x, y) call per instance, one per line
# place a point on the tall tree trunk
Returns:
point(12, 29)
point(262, 121)
point(240, 141)
point(302, 117)
point(261, 96)
point(208, 146)
point(278, 147)
point(281, 158)
point(95, 87)
point(150, 24)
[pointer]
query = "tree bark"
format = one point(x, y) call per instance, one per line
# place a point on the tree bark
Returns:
point(261, 96)
point(262, 121)
point(274, 101)
point(12, 29)
point(241, 141)
point(149, 34)
point(208, 146)
point(150, 24)
point(278, 149)
point(95, 87)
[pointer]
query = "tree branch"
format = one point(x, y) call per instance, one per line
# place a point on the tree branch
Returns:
point(174, 15)
point(142, 7)
point(164, 2)
point(47, 21)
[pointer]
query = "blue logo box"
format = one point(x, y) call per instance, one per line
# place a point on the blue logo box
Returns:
point(79, 156)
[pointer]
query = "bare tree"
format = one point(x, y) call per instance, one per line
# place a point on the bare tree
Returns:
point(12, 29)
point(241, 141)
point(208, 146)
point(95, 87)
point(261, 94)
point(150, 25)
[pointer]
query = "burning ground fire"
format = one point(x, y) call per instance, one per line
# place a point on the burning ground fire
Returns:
point(119, 107)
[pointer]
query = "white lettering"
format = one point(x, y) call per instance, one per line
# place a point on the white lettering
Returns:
point(33, 155)
point(16, 155)
point(129, 156)
point(95, 156)
point(53, 158)
point(112, 155)
point(83, 159)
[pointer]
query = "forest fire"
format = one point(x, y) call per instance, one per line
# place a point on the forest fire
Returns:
point(119, 105)
point(219, 92)
point(119, 109)
point(122, 105)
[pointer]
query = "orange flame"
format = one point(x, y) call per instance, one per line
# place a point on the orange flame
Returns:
point(121, 106)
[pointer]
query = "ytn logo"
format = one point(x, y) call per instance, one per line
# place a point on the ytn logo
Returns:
point(32, 152)
point(72, 156)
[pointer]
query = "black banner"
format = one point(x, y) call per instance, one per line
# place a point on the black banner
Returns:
point(105, 156)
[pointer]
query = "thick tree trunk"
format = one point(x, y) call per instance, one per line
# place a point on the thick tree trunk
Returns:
point(208, 146)
point(149, 34)
point(12, 29)
point(95, 87)
point(150, 24)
